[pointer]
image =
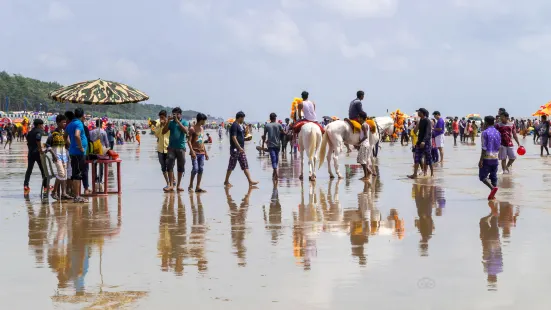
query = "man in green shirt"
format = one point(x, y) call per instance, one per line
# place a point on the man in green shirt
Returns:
point(177, 141)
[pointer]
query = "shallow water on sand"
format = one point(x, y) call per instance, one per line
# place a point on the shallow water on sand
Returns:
point(392, 243)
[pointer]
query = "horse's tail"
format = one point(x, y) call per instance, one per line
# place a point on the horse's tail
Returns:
point(323, 148)
point(313, 143)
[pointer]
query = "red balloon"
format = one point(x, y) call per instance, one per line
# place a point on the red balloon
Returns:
point(521, 150)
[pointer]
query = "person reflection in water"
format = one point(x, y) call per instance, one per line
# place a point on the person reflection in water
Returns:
point(172, 244)
point(273, 219)
point(198, 233)
point(492, 256)
point(424, 222)
point(238, 217)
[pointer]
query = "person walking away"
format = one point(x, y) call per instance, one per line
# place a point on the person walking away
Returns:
point(9, 136)
point(162, 147)
point(237, 152)
point(56, 145)
point(455, 130)
point(544, 134)
point(537, 127)
point(462, 130)
point(474, 131)
point(178, 128)
point(434, 149)
point(110, 135)
point(438, 134)
point(198, 152)
point(405, 134)
point(489, 163)
point(77, 152)
point(273, 131)
point(286, 137)
point(508, 132)
point(35, 150)
point(220, 133)
point(423, 146)
point(364, 153)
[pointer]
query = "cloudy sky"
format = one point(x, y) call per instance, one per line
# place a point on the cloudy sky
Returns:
point(220, 56)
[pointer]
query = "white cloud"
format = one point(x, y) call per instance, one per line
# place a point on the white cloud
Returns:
point(362, 50)
point(59, 12)
point(393, 63)
point(538, 43)
point(127, 69)
point(362, 8)
point(276, 33)
point(53, 61)
point(195, 8)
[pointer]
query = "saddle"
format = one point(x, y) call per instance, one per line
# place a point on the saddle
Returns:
point(298, 125)
point(357, 127)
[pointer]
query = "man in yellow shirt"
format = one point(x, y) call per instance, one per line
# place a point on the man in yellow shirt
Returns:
point(162, 146)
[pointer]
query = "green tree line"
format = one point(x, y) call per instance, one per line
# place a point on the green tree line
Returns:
point(27, 94)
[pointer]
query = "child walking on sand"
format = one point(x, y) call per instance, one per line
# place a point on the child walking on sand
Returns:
point(198, 152)
point(365, 153)
point(489, 163)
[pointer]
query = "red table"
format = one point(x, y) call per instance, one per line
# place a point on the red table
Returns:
point(105, 178)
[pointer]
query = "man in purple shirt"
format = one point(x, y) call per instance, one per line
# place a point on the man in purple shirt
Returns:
point(489, 163)
point(438, 134)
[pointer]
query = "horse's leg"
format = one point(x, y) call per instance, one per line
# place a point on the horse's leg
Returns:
point(301, 145)
point(315, 157)
point(329, 157)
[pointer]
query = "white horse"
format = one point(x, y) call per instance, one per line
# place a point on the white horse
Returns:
point(338, 133)
point(309, 140)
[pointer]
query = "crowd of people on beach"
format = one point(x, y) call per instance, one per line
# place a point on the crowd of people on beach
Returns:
point(70, 142)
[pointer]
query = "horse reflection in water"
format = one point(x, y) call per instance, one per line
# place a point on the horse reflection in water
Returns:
point(306, 226)
point(175, 246)
point(70, 235)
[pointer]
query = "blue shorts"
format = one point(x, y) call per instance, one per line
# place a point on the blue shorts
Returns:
point(489, 171)
point(197, 164)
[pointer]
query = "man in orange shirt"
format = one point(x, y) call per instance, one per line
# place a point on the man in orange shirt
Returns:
point(455, 129)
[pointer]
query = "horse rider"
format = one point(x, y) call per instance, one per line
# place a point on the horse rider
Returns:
point(356, 107)
point(308, 108)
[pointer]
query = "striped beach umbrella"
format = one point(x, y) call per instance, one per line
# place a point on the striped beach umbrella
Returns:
point(98, 92)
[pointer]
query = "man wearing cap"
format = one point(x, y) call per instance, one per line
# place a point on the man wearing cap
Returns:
point(438, 134)
point(272, 135)
point(34, 138)
point(423, 146)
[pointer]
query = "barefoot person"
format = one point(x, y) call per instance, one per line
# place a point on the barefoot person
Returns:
point(424, 144)
point(237, 152)
point(178, 128)
point(77, 150)
point(508, 132)
point(438, 134)
point(544, 134)
point(198, 152)
point(162, 147)
point(364, 154)
point(56, 146)
point(272, 134)
point(489, 163)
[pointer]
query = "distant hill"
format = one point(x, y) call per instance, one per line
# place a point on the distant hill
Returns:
point(27, 94)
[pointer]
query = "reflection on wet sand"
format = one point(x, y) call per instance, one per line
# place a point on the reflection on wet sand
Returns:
point(424, 222)
point(492, 256)
point(175, 246)
point(273, 219)
point(306, 225)
point(71, 235)
point(238, 218)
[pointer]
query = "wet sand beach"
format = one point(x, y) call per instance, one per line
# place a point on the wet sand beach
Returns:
point(392, 243)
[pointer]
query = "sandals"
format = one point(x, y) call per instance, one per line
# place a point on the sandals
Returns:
point(190, 189)
point(55, 196)
point(200, 190)
point(168, 189)
point(80, 200)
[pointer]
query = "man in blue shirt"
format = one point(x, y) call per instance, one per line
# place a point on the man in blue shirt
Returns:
point(438, 134)
point(237, 150)
point(177, 141)
point(77, 152)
